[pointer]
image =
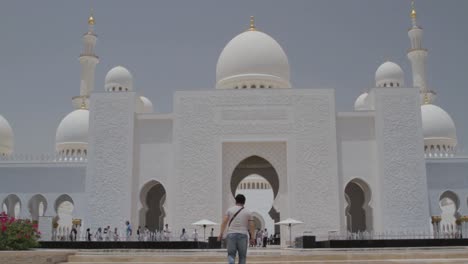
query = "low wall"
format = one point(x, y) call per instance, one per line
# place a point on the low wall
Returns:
point(35, 256)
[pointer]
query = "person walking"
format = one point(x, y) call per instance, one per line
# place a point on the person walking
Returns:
point(88, 235)
point(167, 232)
point(265, 237)
point(128, 230)
point(236, 225)
point(259, 237)
point(183, 236)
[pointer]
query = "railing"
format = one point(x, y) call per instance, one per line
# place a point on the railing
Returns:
point(446, 234)
point(43, 158)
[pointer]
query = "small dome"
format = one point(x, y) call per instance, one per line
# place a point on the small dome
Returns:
point(252, 59)
point(118, 79)
point(6, 137)
point(361, 103)
point(144, 105)
point(389, 74)
point(438, 127)
point(72, 133)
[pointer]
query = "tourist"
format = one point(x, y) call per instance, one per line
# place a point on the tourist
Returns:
point(146, 234)
point(259, 237)
point(195, 235)
point(73, 233)
point(212, 232)
point(183, 236)
point(238, 221)
point(98, 235)
point(265, 237)
point(107, 233)
point(167, 233)
point(88, 235)
point(129, 230)
point(139, 236)
point(116, 234)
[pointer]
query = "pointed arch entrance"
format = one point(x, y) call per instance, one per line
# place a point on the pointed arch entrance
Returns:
point(358, 211)
point(64, 207)
point(152, 198)
point(449, 204)
point(256, 165)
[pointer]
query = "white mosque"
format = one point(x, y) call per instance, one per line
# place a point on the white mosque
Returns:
point(391, 165)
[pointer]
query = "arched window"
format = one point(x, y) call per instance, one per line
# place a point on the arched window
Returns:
point(262, 86)
point(120, 88)
point(244, 86)
point(385, 85)
point(391, 84)
point(253, 86)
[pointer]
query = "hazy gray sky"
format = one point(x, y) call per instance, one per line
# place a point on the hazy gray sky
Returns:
point(174, 45)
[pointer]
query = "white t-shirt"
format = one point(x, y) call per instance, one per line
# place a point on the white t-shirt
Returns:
point(240, 224)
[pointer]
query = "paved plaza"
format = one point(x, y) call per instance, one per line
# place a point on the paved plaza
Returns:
point(277, 255)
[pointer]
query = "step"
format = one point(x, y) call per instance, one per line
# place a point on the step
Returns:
point(249, 261)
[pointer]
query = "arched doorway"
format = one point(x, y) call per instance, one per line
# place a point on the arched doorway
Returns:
point(259, 222)
point(449, 205)
point(64, 207)
point(12, 205)
point(358, 211)
point(153, 198)
point(37, 206)
point(264, 183)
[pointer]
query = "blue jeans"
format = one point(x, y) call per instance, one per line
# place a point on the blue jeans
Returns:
point(237, 243)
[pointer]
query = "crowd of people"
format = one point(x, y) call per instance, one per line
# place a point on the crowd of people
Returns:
point(262, 238)
point(75, 233)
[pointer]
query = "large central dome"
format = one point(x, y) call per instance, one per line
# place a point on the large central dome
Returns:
point(252, 59)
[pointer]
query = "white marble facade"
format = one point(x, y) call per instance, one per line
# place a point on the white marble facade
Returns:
point(371, 169)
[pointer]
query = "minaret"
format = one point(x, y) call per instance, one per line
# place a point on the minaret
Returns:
point(88, 60)
point(417, 55)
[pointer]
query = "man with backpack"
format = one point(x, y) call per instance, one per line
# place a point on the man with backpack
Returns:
point(236, 225)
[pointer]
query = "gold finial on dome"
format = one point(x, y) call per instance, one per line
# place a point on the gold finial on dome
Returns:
point(252, 24)
point(413, 10)
point(91, 18)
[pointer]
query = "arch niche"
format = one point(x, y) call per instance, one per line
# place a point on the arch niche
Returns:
point(152, 198)
point(262, 167)
point(358, 211)
point(12, 205)
point(37, 206)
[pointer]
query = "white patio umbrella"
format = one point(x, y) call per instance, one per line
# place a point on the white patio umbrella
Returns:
point(289, 222)
point(204, 223)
